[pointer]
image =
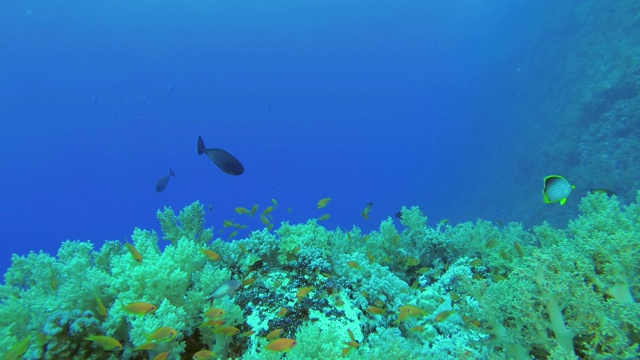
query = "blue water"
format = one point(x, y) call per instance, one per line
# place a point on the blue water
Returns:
point(398, 103)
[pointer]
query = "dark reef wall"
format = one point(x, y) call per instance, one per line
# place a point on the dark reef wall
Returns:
point(577, 107)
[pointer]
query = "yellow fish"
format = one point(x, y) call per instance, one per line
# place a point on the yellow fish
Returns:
point(411, 261)
point(281, 345)
point(108, 343)
point(324, 217)
point(375, 310)
point(323, 202)
point(226, 330)
point(274, 334)
point(282, 312)
point(443, 315)
point(162, 334)
point(204, 355)
point(213, 323)
point(19, 348)
point(242, 211)
point(161, 356)
point(303, 291)
point(475, 262)
point(212, 255)
point(134, 252)
point(53, 280)
point(365, 212)
point(145, 347)
point(214, 313)
point(139, 308)
point(100, 306)
point(353, 264)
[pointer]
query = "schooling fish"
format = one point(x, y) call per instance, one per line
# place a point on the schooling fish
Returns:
point(223, 160)
point(163, 181)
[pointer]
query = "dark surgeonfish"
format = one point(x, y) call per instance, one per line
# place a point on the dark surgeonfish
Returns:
point(223, 160)
point(163, 181)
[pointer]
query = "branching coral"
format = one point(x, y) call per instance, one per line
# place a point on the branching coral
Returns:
point(475, 289)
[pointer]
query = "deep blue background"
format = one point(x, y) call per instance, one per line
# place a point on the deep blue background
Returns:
point(399, 103)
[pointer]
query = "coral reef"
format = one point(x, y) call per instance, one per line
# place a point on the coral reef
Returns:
point(408, 290)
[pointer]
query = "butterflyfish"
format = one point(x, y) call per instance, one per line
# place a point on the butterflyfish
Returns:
point(556, 189)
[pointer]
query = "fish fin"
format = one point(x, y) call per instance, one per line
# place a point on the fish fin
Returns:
point(171, 173)
point(201, 147)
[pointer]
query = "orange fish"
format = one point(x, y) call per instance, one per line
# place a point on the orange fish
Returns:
point(475, 262)
point(146, 346)
point(204, 355)
point(226, 330)
point(242, 211)
point(18, 349)
point(303, 291)
point(134, 252)
point(443, 315)
point(274, 334)
point(282, 312)
point(213, 323)
point(323, 202)
point(162, 334)
point(353, 343)
point(211, 255)
point(161, 356)
point(375, 310)
point(53, 280)
point(518, 248)
point(100, 306)
point(365, 212)
point(370, 257)
point(491, 243)
point(139, 308)
point(108, 343)
point(281, 345)
point(214, 313)
point(413, 311)
point(248, 281)
point(353, 264)
point(402, 316)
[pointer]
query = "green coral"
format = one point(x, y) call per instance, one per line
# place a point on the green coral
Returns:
point(513, 292)
point(188, 224)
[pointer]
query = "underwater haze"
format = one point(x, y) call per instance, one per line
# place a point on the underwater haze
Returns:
point(335, 147)
point(391, 104)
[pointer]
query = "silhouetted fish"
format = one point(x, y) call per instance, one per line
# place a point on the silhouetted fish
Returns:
point(163, 181)
point(223, 160)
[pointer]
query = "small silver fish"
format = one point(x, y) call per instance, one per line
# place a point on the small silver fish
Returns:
point(227, 287)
